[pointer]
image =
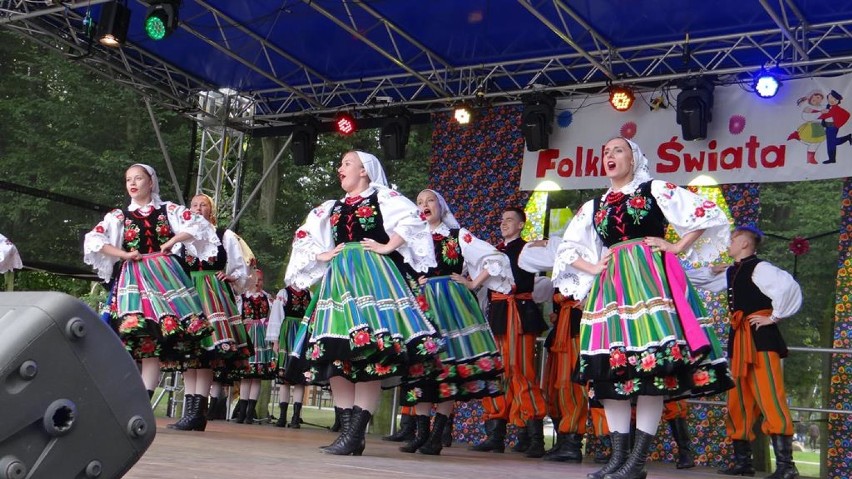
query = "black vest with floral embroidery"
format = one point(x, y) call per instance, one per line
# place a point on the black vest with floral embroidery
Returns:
point(146, 233)
point(359, 220)
point(297, 302)
point(622, 217)
point(255, 307)
point(447, 254)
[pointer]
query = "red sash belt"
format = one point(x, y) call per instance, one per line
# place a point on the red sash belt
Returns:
point(562, 340)
point(744, 350)
point(513, 326)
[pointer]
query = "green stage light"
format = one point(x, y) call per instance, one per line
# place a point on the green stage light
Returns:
point(162, 19)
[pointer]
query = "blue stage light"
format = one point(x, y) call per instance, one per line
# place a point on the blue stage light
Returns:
point(766, 85)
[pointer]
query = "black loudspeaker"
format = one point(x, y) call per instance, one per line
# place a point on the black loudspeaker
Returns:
point(71, 399)
point(537, 121)
point(303, 144)
point(393, 137)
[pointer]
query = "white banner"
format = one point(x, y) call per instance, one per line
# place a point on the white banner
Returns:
point(750, 139)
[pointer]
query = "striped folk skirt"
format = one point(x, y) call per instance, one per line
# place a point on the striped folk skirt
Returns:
point(645, 331)
point(229, 341)
point(471, 364)
point(158, 312)
point(365, 324)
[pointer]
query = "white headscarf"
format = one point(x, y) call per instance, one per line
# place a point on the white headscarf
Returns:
point(446, 215)
point(374, 169)
point(155, 184)
point(641, 173)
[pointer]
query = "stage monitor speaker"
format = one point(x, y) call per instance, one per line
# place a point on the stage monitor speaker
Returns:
point(71, 399)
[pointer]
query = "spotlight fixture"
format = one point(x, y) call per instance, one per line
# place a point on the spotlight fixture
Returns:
point(161, 19)
point(463, 115)
point(394, 133)
point(537, 120)
point(766, 84)
point(304, 141)
point(695, 107)
point(621, 98)
point(113, 23)
point(345, 124)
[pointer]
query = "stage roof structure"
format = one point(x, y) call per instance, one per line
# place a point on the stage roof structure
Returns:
point(293, 58)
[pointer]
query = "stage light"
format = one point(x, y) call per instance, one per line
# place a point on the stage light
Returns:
point(304, 142)
point(394, 133)
point(463, 115)
point(621, 98)
point(113, 23)
point(537, 120)
point(345, 124)
point(766, 84)
point(695, 108)
point(161, 19)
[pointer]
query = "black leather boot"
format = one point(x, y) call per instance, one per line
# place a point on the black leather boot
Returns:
point(354, 439)
point(189, 411)
point(785, 468)
point(407, 428)
point(634, 466)
point(345, 420)
point(742, 465)
point(535, 431)
point(617, 458)
point(680, 433)
point(447, 438)
point(570, 449)
point(296, 420)
point(496, 435)
point(239, 415)
point(282, 414)
point(211, 411)
point(436, 440)
point(420, 437)
point(200, 423)
point(523, 442)
point(335, 427)
point(251, 414)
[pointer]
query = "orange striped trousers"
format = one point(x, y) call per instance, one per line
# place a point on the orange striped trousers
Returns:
point(759, 391)
point(565, 399)
point(523, 399)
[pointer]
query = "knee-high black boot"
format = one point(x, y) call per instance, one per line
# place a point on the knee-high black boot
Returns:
point(335, 427)
point(214, 406)
point(616, 458)
point(742, 465)
point(680, 433)
point(251, 414)
point(239, 415)
point(407, 427)
point(420, 437)
point(296, 420)
point(354, 440)
point(785, 468)
point(447, 437)
point(282, 415)
point(634, 466)
point(345, 420)
point(569, 450)
point(535, 431)
point(436, 440)
point(496, 431)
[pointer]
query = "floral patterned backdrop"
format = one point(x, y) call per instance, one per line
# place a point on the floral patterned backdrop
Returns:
point(840, 425)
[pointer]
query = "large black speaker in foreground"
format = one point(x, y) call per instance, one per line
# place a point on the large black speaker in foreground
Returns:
point(72, 404)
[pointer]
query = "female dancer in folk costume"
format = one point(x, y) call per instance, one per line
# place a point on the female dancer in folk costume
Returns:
point(155, 309)
point(471, 362)
point(288, 309)
point(644, 332)
point(255, 306)
point(9, 257)
point(215, 278)
point(366, 326)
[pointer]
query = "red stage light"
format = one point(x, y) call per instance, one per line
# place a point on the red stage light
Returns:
point(345, 124)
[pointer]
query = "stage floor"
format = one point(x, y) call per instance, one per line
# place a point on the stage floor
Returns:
point(230, 450)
